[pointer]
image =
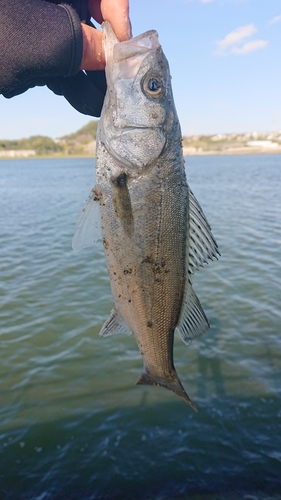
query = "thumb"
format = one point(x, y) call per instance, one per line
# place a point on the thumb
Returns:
point(93, 55)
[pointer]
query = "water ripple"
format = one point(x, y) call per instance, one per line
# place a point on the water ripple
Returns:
point(73, 423)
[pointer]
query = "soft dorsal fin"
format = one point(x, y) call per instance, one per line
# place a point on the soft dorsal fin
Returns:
point(88, 225)
point(201, 246)
point(114, 324)
point(201, 243)
point(193, 322)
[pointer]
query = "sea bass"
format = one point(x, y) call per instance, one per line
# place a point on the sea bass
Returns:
point(154, 231)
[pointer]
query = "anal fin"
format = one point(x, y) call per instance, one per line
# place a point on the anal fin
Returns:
point(114, 324)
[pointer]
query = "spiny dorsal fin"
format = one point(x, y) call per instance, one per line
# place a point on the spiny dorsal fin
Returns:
point(114, 324)
point(193, 322)
point(88, 225)
point(202, 245)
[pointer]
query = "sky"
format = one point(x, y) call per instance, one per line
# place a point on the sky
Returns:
point(224, 57)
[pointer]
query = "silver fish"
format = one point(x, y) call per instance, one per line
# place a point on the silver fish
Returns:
point(155, 233)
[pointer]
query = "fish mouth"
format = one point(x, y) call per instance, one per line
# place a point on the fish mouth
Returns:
point(128, 54)
point(141, 44)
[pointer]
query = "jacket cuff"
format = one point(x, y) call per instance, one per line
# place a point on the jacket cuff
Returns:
point(76, 40)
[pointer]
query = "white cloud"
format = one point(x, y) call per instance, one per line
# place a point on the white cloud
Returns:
point(206, 1)
point(275, 19)
point(234, 42)
point(236, 36)
point(249, 47)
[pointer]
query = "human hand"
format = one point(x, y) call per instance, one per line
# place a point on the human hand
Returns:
point(85, 91)
point(114, 11)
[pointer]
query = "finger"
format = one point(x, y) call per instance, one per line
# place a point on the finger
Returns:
point(116, 12)
point(93, 55)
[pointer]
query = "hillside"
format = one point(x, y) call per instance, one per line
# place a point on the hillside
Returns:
point(250, 142)
point(80, 143)
point(83, 143)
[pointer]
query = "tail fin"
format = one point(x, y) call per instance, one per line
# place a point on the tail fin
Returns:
point(172, 385)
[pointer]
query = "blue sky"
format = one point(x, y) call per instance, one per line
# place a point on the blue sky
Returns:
point(224, 57)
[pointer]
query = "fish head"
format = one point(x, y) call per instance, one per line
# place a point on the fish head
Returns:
point(138, 110)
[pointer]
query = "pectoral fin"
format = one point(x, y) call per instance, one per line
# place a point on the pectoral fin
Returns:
point(88, 225)
point(122, 203)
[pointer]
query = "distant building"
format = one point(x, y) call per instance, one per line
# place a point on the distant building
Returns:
point(15, 153)
point(262, 144)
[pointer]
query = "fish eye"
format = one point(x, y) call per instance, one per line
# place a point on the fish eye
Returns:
point(152, 86)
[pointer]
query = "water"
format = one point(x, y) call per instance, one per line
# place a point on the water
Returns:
point(72, 423)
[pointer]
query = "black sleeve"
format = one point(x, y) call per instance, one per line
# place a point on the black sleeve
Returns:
point(38, 40)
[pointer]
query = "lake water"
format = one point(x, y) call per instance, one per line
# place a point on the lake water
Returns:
point(73, 425)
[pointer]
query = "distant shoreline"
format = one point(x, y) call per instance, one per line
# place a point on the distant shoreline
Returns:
point(44, 157)
point(82, 144)
point(232, 152)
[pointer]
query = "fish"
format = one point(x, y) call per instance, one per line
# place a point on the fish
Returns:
point(155, 234)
